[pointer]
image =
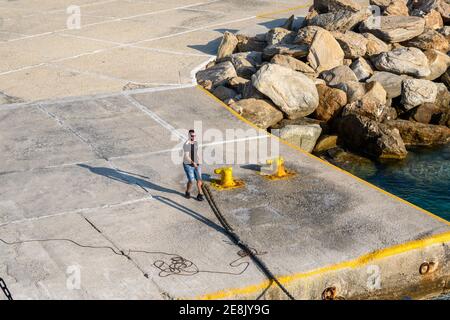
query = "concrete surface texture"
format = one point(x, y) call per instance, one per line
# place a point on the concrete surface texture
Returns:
point(118, 44)
point(91, 192)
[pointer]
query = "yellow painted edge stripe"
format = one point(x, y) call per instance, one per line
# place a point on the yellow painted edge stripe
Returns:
point(323, 161)
point(355, 263)
point(267, 14)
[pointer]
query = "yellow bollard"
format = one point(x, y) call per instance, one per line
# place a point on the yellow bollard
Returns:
point(280, 171)
point(226, 179)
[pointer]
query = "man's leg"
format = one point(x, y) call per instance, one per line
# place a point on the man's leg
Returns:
point(198, 177)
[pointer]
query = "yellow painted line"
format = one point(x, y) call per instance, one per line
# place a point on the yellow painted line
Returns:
point(323, 161)
point(350, 264)
point(268, 14)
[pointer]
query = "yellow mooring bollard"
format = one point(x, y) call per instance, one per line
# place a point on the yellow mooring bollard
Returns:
point(280, 171)
point(226, 179)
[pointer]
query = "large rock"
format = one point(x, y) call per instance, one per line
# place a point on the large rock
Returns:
point(340, 20)
point(415, 133)
point(227, 45)
point(394, 28)
point(418, 91)
point(424, 113)
point(396, 8)
point(355, 90)
point(438, 63)
point(353, 44)
point(331, 101)
point(238, 83)
point(224, 93)
point(325, 142)
point(364, 135)
point(279, 35)
point(430, 39)
point(375, 46)
point(403, 60)
point(294, 50)
point(361, 68)
point(325, 52)
point(374, 93)
point(442, 96)
point(369, 109)
point(260, 112)
point(433, 19)
point(303, 136)
point(337, 75)
point(392, 83)
point(335, 5)
point(294, 64)
point(246, 43)
point(441, 6)
point(306, 35)
point(292, 91)
point(245, 63)
point(445, 78)
point(216, 75)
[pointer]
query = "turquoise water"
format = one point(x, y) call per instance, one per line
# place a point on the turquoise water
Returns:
point(423, 178)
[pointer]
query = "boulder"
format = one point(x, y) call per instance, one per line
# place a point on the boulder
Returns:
point(288, 24)
point(362, 134)
point(361, 68)
point(260, 112)
point(293, 92)
point(445, 31)
point(250, 91)
point(325, 52)
point(404, 60)
point(340, 20)
point(394, 28)
point(279, 35)
point(375, 46)
point(445, 78)
point(321, 6)
point(424, 113)
point(441, 6)
point(430, 39)
point(245, 63)
point(337, 75)
point(380, 3)
point(294, 64)
point(433, 19)
point(224, 93)
point(238, 83)
point(353, 44)
point(306, 35)
point(325, 142)
point(392, 83)
point(438, 63)
point(335, 5)
point(331, 102)
point(396, 8)
point(374, 93)
point(355, 90)
point(294, 50)
point(370, 109)
point(302, 136)
point(227, 45)
point(442, 96)
point(216, 75)
point(246, 43)
point(418, 91)
point(420, 134)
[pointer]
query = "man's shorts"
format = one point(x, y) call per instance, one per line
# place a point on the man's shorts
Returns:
point(192, 173)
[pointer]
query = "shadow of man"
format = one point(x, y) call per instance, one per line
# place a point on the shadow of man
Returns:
point(128, 178)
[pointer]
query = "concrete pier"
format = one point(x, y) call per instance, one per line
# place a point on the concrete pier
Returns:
point(97, 195)
point(91, 193)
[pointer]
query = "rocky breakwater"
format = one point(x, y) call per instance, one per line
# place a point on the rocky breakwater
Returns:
point(344, 81)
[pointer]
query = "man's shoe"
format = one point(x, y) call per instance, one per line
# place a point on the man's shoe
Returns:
point(187, 195)
point(200, 197)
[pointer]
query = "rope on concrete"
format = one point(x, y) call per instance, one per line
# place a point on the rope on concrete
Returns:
point(239, 242)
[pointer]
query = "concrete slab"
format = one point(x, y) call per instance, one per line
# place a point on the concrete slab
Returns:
point(323, 219)
point(34, 51)
point(33, 83)
point(131, 64)
point(25, 146)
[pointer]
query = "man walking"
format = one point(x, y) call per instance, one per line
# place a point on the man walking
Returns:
point(191, 165)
